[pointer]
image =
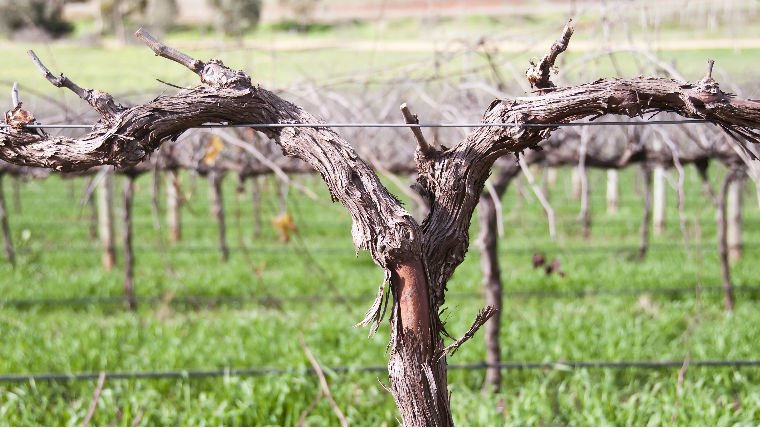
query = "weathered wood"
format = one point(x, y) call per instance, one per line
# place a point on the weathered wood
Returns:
point(9, 252)
point(105, 221)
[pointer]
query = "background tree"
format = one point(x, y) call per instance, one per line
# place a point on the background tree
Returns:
point(234, 17)
point(45, 15)
point(161, 15)
point(302, 12)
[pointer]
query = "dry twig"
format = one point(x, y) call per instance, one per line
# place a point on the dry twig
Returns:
point(322, 380)
point(95, 398)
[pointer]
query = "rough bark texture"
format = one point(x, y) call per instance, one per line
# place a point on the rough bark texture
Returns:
point(105, 221)
point(418, 259)
point(129, 258)
point(6, 229)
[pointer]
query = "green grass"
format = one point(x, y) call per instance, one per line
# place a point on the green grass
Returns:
point(57, 260)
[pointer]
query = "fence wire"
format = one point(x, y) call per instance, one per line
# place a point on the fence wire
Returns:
point(402, 125)
point(253, 372)
point(269, 299)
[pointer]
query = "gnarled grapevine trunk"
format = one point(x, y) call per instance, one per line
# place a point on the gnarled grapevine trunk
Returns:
point(418, 259)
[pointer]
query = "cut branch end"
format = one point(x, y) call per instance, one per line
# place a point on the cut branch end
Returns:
point(160, 49)
point(412, 119)
point(101, 101)
point(484, 315)
point(14, 95)
point(538, 74)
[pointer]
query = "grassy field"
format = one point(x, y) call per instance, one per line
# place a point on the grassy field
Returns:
point(57, 260)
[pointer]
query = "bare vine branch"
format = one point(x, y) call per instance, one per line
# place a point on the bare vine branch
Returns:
point(410, 118)
point(538, 74)
point(101, 101)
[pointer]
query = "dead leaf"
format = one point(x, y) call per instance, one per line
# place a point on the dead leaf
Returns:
point(285, 225)
point(18, 117)
point(215, 147)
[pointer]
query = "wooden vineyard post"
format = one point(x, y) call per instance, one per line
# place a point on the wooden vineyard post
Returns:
point(722, 224)
point(129, 260)
point(658, 199)
point(489, 266)
point(217, 210)
point(256, 200)
point(576, 183)
point(613, 195)
point(173, 206)
point(734, 217)
point(6, 228)
point(647, 216)
point(105, 221)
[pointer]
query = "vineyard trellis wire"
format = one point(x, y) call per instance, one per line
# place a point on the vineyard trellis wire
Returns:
point(209, 300)
point(268, 371)
point(400, 125)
